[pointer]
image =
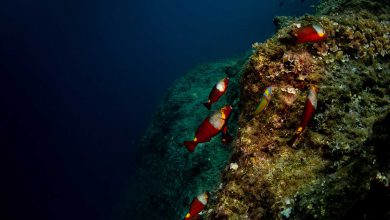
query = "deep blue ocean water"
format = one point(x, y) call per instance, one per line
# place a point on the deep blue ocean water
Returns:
point(79, 82)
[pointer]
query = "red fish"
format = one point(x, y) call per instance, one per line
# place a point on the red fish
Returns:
point(310, 107)
point(311, 33)
point(218, 90)
point(211, 126)
point(197, 206)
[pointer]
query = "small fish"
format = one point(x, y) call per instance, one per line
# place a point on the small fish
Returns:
point(264, 101)
point(302, 0)
point(309, 34)
point(211, 126)
point(281, 3)
point(197, 205)
point(218, 90)
point(310, 107)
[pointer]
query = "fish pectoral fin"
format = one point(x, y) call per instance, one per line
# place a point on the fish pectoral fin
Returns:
point(224, 129)
point(190, 145)
point(207, 104)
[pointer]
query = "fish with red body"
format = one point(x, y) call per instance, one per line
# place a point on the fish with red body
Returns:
point(197, 205)
point(310, 107)
point(218, 90)
point(211, 126)
point(309, 34)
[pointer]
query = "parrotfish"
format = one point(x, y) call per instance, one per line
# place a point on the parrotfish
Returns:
point(211, 126)
point(310, 107)
point(264, 101)
point(218, 90)
point(309, 34)
point(197, 205)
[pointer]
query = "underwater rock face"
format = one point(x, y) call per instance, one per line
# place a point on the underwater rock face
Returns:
point(169, 176)
point(339, 168)
point(335, 170)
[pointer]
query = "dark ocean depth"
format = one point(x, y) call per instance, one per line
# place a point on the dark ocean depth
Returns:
point(80, 81)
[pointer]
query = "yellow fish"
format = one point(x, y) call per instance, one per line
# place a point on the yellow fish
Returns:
point(264, 100)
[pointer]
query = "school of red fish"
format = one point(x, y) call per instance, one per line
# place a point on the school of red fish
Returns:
point(217, 121)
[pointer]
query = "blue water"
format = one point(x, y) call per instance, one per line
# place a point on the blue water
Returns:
point(79, 82)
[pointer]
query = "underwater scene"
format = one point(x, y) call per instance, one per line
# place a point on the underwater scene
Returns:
point(297, 128)
point(172, 110)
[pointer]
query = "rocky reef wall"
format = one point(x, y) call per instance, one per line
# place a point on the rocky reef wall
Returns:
point(338, 165)
point(339, 168)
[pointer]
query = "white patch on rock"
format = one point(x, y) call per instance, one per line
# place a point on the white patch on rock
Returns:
point(289, 90)
point(297, 25)
point(233, 166)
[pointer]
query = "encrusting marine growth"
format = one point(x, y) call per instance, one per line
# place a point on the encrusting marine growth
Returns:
point(337, 158)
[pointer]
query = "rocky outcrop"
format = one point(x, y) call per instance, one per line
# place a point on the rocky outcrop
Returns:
point(339, 168)
point(335, 168)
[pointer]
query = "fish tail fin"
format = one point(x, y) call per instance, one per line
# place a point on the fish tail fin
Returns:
point(294, 138)
point(226, 138)
point(291, 142)
point(207, 104)
point(190, 145)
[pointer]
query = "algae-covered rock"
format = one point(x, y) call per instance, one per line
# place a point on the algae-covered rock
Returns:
point(169, 176)
point(335, 168)
point(339, 167)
